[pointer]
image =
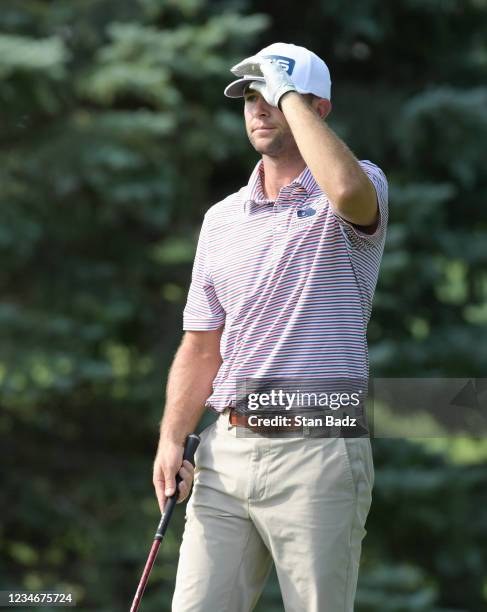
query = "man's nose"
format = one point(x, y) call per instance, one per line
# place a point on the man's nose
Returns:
point(261, 107)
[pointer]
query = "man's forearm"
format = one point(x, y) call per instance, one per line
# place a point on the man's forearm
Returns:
point(189, 385)
point(333, 165)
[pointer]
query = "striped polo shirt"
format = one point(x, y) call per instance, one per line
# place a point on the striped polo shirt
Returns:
point(290, 280)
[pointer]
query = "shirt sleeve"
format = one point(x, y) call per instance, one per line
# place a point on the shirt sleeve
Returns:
point(203, 311)
point(357, 238)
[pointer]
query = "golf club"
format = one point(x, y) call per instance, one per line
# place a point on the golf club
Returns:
point(190, 447)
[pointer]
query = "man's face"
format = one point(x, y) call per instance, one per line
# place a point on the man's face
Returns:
point(267, 128)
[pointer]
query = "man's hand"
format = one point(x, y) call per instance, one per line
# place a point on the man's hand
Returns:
point(247, 67)
point(168, 463)
point(277, 82)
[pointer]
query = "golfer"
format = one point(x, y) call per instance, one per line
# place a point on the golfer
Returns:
point(282, 286)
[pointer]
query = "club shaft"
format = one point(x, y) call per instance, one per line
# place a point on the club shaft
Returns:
point(145, 575)
point(161, 530)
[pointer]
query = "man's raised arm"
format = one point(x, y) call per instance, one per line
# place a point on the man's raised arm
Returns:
point(332, 164)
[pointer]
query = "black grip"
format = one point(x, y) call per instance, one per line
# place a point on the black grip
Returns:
point(190, 446)
point(192, 443)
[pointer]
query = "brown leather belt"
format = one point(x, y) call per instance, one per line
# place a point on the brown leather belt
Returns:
point(242, 420)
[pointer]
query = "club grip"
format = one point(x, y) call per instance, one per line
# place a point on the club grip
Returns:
point(192, 443)
point(190, 446)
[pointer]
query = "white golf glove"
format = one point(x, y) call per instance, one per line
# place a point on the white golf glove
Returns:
point(277, 82)
point(247, 67)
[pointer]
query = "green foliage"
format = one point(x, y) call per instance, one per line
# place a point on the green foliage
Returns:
point(21, 54)
point(114, 139)
point(428, 514)
point(400, 588)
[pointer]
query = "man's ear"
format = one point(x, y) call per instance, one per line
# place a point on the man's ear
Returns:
point(322, 107)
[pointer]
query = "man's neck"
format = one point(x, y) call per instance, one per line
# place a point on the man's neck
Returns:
point(280, 172)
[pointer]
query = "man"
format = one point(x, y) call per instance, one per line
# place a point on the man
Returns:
point(282, 286)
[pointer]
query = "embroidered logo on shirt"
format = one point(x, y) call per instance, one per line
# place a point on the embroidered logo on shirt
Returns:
point(305, 212)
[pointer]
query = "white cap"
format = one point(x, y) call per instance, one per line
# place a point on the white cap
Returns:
point(308, 72)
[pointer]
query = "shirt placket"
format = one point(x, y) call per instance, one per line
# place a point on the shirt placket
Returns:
point(279, 226)
point(286, 204)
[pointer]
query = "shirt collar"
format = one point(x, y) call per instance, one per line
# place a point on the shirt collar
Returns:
point(255, 187)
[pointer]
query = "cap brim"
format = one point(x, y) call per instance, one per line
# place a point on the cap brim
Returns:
point(236, 88)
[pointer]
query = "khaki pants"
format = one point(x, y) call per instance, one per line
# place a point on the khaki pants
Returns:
point(300, 502)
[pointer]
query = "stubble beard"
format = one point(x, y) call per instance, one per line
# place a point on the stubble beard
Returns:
point(272, 148)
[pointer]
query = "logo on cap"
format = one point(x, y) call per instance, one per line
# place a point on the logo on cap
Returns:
point(286, 62)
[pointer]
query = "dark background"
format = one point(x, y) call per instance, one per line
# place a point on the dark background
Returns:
point(115, 138)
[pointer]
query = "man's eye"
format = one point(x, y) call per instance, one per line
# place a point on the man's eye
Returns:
point(250, 98)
